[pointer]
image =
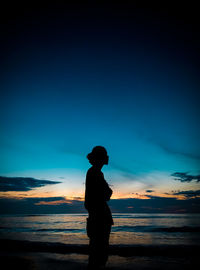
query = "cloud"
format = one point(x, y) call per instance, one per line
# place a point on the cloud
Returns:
point(185, 177)
point(171, 150)
point(188, 193)
point(60, 205)
point(149, 190)
point(49, 205)
point(155, 205)
point(53, 201)
point(22, 183)
point(59, 202)
point(123, 170)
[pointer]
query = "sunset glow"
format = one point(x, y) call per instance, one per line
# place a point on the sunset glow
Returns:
point(71, 81)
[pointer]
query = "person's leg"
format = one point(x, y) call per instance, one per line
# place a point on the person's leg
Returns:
point(98, 245)
point(92, 260)
point(98, 249)
point(104, 245)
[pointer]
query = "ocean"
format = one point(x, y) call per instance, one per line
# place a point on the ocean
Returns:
point(128, 229)
point(137, 241)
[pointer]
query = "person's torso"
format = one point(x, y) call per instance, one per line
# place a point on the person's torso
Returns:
point(96, 195)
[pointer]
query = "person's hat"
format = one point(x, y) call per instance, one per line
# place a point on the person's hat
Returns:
point(98, 153)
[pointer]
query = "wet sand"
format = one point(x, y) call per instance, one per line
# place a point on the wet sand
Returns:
point(33, 256)
point(43, 261)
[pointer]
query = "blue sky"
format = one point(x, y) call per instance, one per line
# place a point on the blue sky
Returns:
point(126, 81)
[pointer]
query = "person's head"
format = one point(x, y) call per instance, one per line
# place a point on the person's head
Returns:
point(98, 156)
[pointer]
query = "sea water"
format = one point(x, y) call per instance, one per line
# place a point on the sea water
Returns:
point(128, 229)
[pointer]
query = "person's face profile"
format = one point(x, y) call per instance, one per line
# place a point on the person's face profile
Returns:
point(106, 159)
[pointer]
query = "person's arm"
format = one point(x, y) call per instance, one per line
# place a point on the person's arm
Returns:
point(107, 191)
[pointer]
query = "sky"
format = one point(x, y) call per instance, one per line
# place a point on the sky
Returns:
point(123, 76)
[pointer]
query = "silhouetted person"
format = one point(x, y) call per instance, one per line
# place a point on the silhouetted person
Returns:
point(99, 221)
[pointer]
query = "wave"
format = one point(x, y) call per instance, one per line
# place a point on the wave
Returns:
point(120, 250)
point(142, 229)
point(52, 230)
point(162, 216)
point(155, 229)
point(59, 230)
point(178, 229)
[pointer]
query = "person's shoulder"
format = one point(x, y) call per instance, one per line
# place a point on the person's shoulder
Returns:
point(90, 170)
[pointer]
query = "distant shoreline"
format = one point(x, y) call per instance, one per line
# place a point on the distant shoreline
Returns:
point(7, 245)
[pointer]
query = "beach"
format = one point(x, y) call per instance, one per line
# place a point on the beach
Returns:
point(37, 256)
point(38, 261)
point(137, 241)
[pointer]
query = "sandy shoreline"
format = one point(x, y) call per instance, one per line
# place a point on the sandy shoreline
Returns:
point(40, 256)
point(49, 261)
point(7, 245)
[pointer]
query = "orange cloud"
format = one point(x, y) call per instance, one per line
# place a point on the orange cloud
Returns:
point(54, 202)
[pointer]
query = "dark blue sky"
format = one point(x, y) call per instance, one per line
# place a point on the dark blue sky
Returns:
point(122, 76)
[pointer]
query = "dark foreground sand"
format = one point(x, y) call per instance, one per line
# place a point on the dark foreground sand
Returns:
point(17, 256)
point(43, 261)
